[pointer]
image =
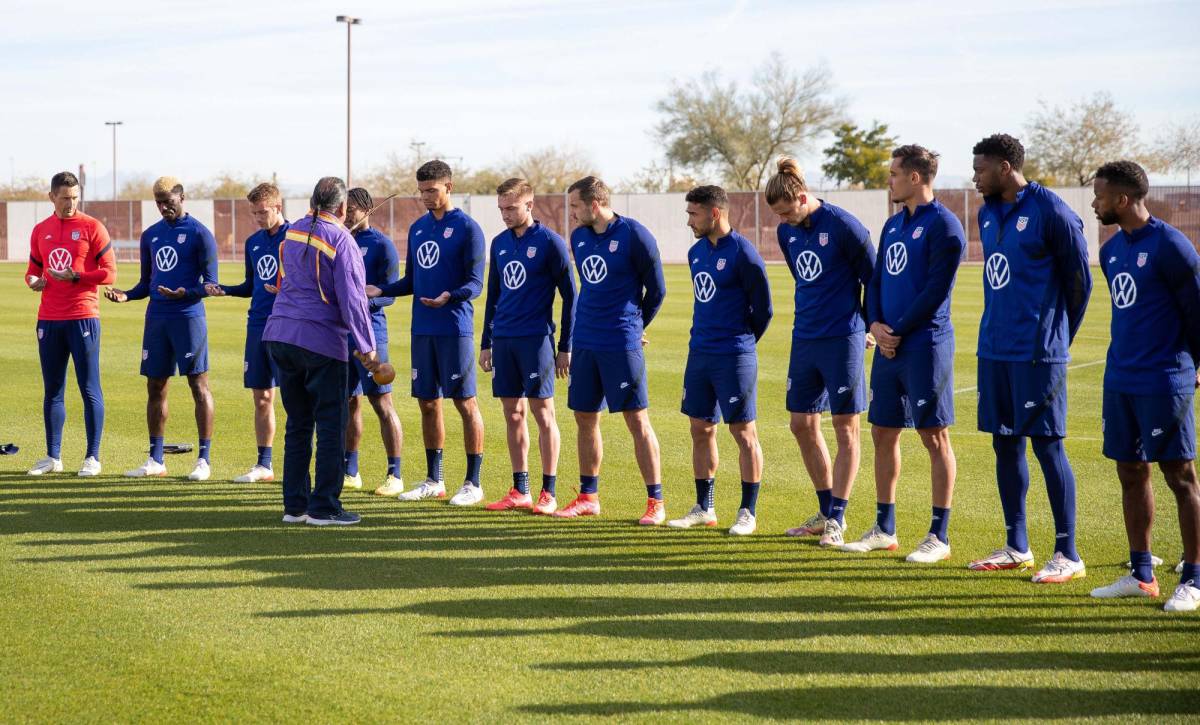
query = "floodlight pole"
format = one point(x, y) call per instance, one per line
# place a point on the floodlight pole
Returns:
point(114, 125)
point(350, 22)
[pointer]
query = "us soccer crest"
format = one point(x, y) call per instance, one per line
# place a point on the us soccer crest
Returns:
point(531, 252)
point(1022, 222)
point(917, 232)
point(720, 264)
point(75, 236)
point(446, 234)
point(612, 246)
point(1142, 256)
point(823, 239)
point(181, 238)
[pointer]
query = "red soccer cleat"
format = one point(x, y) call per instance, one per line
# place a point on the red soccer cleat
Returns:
point(586, 504)
point(546, 504)
point(514, 499)
point(655, 514)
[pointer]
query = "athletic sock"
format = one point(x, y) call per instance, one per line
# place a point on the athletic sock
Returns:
point(589, 484)
point(351, 461)
point(156, 448)
point(1012, 477)
point(1060, 486)
point(1140, 566)
point(549, 483)
point(264, 456)
point(433, 464)
point(837, 509)
point(393, 468)
point(55, 414)
point(824, 501)
point(205, 449)
point(939, 524)
point(749, 495)
point(1190, 573)
point(521, 481)
point(885, 518)
point(654, 491)
point(705, 487)
point(474, 463)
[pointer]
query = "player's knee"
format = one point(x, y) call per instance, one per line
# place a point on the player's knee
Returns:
point(935, 440)
point(429, 408)
point(805, 426)
point(746, 436)
point(1181, 477)
point(846, 429)
point(638, 422)
point(884, 437)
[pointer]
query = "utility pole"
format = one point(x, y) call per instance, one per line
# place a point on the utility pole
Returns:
point(350, 23)
point(114, 125)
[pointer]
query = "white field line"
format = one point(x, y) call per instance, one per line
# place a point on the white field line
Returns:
point(1069, 367)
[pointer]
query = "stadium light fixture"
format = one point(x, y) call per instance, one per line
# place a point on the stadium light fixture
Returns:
point(350, 23)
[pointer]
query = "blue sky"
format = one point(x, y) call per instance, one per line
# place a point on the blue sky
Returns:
point(259, 87)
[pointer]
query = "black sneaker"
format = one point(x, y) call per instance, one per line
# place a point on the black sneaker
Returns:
point(289, 518)
point(342, 518)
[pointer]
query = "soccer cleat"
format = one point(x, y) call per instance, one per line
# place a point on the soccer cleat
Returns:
point(256, 474)
point(90, 467)
point(46, 465)
point(931, 550)
point(655, 514)
point(744, 524)
point(1185, 599)
point(468, 495)
point(1006, 558)
point(1060, 569)
point(546, 504)
point(349, 481)
point(1179, 567)
point(514, 499)
point(698, 516)
point(585, 504)
point(833, 533)
point(1127, 586)
point(295, 518)
point(201, 472)
point(393, 486)
point(429, 488)
point(150, 468)
point(874, 540)
point(815, 526)
point(341, 518)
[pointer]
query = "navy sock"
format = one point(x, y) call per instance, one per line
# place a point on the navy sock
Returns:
point(1190, 573)
point(837, 509)
point(705, 487)
point(749, 495)
point(549, 482)
point(1140, 566)
point(521, 481)
point(433, 464)
point(351, 461)
point(824, 501)
point(156, 448)
point(474, 463)
point(654, 491)
point(393, 466)
point(205, 449)
point(1012, 477)
point(1060, 486)
point(589, 484)
point(939, 524)
point(264, 456)
point(885, 518)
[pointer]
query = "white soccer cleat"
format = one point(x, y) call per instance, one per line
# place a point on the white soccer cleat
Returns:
point(46, 465)
point(698, 516)
point(815, 526)
point(833, 535)
point(349, 481)
point(393, 486)
point(1000, 559)
point(90, 467)
point(256, 474)
point(1185, 599)
point(295, 518)
point(150, 468)
point(427, 489)
point(201, 472)
point(1060, 569)
point(1127, 586)
point(744, 524)
point(931, 550)
point(468, 495)
point(1179, 567)
point(874, 540)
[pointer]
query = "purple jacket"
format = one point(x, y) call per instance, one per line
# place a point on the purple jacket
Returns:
point(321, 296)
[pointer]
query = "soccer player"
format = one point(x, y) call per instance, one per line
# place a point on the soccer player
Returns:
point(178, 258)
point(731, 311)
point(620, 291)
point(1036, 288)
point(528, 262)
point(69, 256)
point(912, 377)
point(258, 369)
point(1153, 272)
point(831, 258)
point(443, 271)
point(382, 265)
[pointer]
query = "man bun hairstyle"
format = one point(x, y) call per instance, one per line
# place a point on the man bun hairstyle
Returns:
point(591, 188)
point(919, 159)
point(436, 170)
point(711, 196)
point(787, 183)
point(1003, 147)
point(1126, 175)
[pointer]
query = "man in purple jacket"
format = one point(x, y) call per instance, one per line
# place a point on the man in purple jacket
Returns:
point(321, 300)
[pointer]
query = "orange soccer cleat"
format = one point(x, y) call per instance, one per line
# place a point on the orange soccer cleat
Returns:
point(585, 504)
point(514, 499)
point(655, 514)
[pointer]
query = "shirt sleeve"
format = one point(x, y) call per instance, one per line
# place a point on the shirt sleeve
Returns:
point(1180, 269)
point(787, 258)
point(860, 255)
point(246, 287)
point(1068, 245)
point(489, 304)
point(209, 265)
point(648, 264)
point(945, 254)
point(141, 290)
point(36, 266)
point(753, 274)
point(101, 265)
point(403, 286)
point(388, 271)
point(349, 284)
point(564, 273)
point(874, 303)
point(473, 259)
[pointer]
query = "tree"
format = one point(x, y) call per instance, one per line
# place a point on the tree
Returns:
point(1178, 147)
point(1070, 143)
point(30, 188)
point(710, 126)
point(860, 157)
point(139, 187)
point(656, 178)
point(223, 186)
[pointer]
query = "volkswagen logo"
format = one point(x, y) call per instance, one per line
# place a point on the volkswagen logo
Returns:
point(896, 259)
point(428, 255)
point(997, 272)
point(808, 265)
point(704, 287)
point(514, 275)
point(1124, 291)
point(267, 267)
point(59, 259)
point(594, 269)
point(166, 259)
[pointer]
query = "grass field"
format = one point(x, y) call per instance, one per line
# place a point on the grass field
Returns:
point(129, 600)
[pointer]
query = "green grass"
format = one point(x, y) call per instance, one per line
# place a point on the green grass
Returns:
point(150, 601)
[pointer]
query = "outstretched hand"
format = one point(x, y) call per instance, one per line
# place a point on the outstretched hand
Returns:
point(436, 302)
point(172, 294)
point(115, 295)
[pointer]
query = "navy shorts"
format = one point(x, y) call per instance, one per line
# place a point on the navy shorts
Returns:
point(616, 378)
point(174, 343)
point(720, 387)
point(1023, 398)
point(828, 375)
point(258, 369)
point(915, 389)
point(359, 381)
point(443, 366)
point(523, 367)
point(1149, 427)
